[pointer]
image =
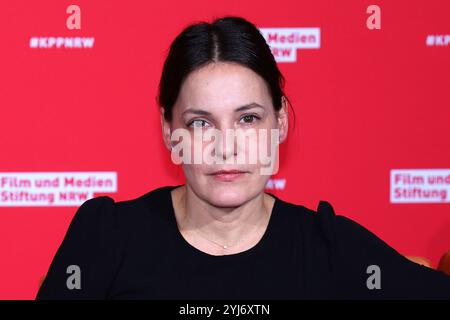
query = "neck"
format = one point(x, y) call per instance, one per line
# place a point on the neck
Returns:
point(224, 225)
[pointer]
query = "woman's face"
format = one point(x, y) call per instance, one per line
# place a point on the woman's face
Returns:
point(233, 100)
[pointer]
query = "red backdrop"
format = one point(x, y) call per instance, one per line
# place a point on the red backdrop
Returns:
point(366, 102)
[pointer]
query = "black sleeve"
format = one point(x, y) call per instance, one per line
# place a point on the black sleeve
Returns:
point(365, 267)
point(87, 254)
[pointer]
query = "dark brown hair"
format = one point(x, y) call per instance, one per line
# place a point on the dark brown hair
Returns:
point(227, 39)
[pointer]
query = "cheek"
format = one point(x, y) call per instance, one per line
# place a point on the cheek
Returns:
point(193, 170)
point(261, 145)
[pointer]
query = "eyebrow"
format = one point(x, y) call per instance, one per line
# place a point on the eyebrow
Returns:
point(241, 108)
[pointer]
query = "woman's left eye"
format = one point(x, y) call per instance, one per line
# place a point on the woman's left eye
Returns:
point(250, 118)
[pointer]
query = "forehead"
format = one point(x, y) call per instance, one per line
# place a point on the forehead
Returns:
point(222, 85)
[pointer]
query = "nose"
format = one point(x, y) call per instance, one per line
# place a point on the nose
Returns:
point(227, 147)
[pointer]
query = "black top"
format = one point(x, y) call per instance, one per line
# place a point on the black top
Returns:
point(134, 250)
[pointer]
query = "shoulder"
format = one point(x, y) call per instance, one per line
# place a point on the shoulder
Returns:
point(346, 239)
point(103, 213)
point(356, 254)
point(153, 204)
point(154, 200)
point(335, 229)
point(319, 223)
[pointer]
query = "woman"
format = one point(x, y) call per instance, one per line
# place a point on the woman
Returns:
point(220, 236)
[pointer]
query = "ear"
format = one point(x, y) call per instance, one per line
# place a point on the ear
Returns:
point(165, 126)
point(283, 123)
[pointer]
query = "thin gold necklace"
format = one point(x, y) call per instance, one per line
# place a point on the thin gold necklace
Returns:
point(223, 246)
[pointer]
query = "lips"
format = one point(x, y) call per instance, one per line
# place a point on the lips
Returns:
point(228, 175)
point(227, 172)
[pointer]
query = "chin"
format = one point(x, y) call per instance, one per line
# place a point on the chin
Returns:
point(227, 195)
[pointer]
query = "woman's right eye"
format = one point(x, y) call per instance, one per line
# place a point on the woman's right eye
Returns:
point(197, 123)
